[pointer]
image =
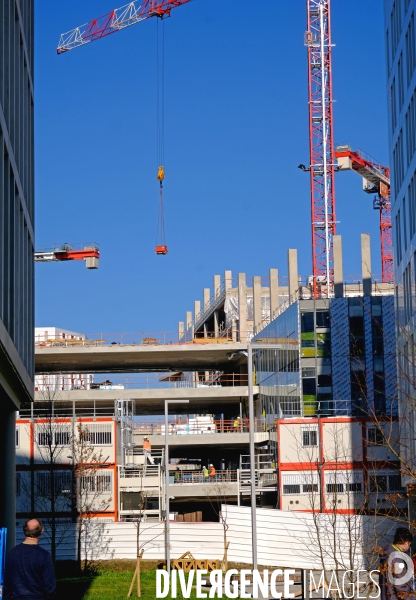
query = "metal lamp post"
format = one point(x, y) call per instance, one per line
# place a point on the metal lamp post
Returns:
point(251, 442)
point(167, 525)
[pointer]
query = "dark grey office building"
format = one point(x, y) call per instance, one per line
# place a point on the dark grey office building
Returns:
point(16, 235)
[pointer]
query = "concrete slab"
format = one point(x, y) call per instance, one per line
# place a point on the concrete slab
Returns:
point(137, 358)
point(151, 401)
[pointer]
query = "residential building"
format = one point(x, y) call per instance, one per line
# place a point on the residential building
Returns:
point(16, 235)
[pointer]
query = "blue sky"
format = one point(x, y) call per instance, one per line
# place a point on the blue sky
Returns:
point(236, 128)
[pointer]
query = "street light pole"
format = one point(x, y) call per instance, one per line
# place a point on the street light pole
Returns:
point(167, 525)
point(252, 456)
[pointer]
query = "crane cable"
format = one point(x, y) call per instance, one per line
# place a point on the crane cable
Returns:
point(160, 108)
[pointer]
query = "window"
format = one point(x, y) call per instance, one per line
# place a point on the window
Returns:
point(354, 487)
point(410, 49)
point(97, 483)
point(98, 434)
point(309, 436)
point(334, 488)
point(54, 434)
point(300, 483)
point(309, 487)
point(62, 483)
point(375, 437)
point(17, 436)
point(322, 318)
point(291, 489)
point(307, 324)
point(378, 483)
point(340, 482)
point(400, 81)
point(395, 483)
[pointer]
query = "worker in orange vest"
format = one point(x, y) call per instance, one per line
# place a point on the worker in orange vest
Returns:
point(147, 451)
point(212, 472)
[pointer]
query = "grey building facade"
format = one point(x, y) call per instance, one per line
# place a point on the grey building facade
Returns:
point(16, 235)
point(400, 39)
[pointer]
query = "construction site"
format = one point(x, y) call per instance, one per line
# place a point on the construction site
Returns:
point(238, 404)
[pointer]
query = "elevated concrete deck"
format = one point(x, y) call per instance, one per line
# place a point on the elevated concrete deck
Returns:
point(152, 401)
point(137, 358)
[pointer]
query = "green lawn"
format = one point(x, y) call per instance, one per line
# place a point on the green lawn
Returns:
point(108, 582)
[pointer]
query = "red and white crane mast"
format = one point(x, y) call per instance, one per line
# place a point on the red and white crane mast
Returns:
point(321, 144)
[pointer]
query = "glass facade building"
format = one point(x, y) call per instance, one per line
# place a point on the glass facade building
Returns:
point(333, 356)
point(16, 235)
point(400, 37)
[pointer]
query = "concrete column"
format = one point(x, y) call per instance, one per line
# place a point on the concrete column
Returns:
point(256, 302)
point(188, 319)
point(181, 329)
point(207, 296)
point(242, 307)
point(274, 291)
point(197, 309)
point(338, 270)
point(228, 280)
point(234, 331)
point(292, 259)
point(216, 327)
point(8, 467)
point(217, 286)
point(366, 263)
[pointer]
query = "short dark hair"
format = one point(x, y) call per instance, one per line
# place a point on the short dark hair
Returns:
point(33, 532)
point(402, 535)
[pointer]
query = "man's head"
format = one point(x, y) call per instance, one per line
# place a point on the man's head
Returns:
point(33, 528)
point(403, 538)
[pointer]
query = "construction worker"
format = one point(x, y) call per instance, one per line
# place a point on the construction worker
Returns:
point(147, 451)
point(237, 424)
point(212, 472)
point(205, 473)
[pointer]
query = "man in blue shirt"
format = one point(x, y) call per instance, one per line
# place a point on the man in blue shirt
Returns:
point(29, 570)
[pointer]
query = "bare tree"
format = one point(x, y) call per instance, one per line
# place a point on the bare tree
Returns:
point(218, 493)
point(91, 486)
point(48, 487)
point(343, 532)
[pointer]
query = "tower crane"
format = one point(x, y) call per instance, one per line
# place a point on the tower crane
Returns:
point(376, 179)
point(321, 144)
point(116, 20)
point(90, 254)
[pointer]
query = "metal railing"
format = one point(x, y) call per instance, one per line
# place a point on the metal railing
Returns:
point(193, 477)
point(203, 426)
point(141, 338)
point(145, 381)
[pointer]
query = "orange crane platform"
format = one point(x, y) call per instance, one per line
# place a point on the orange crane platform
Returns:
point(90, 254)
